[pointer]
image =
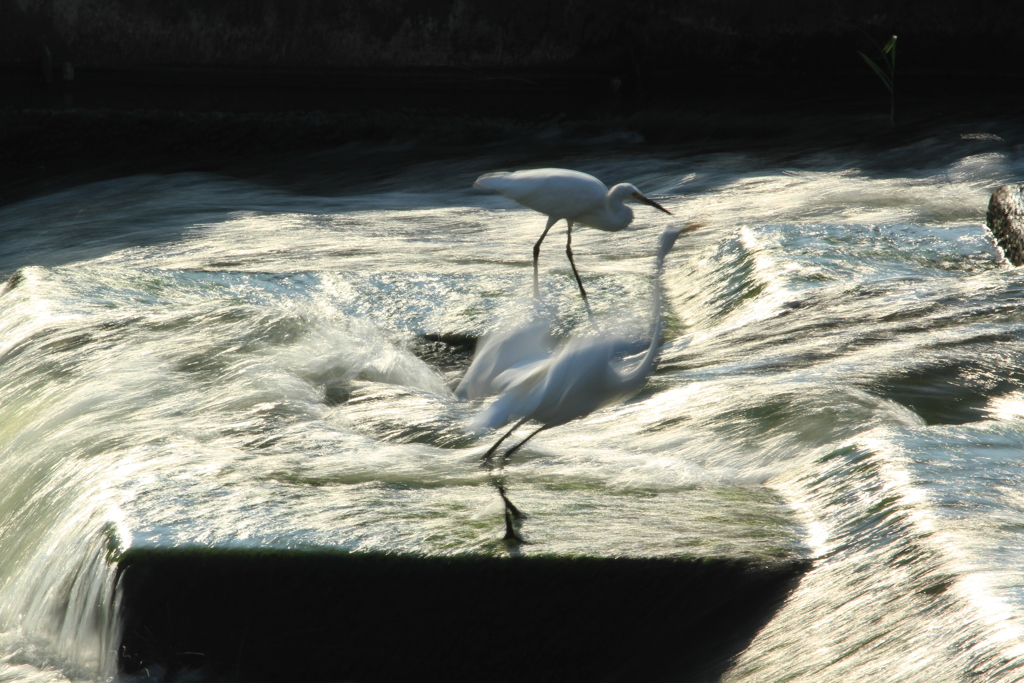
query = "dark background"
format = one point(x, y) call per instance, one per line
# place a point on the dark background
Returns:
point(94, 88)
point(656, 37)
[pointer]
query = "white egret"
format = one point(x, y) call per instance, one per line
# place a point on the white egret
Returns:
point(577, 379)
point(576, 197)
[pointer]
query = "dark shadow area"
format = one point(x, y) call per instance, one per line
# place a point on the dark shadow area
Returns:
point(325, 133)
point(651, 41)
point(318, 616)
point(94, 90)
point(953, 393)
point(448, 352)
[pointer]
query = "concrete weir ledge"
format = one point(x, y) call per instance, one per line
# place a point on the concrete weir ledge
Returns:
point(269, 615)
point(611, 585)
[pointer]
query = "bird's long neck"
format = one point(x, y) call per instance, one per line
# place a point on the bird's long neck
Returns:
point(615, 202)
point(647, 363)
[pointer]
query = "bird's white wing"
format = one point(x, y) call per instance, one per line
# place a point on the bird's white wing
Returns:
point(580, 380)
point(519, 373)
point(498, 352)
point(556, 192)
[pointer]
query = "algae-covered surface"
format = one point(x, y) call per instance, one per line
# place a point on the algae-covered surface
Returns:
point(562, 519)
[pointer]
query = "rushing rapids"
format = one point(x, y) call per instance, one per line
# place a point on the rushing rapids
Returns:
point(196, 361)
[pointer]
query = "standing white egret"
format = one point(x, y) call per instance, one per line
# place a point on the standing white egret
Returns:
point(577, 379)
point(570, 195)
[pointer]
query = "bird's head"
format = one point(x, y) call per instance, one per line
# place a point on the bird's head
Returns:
point(628, 193)
point(668, 238)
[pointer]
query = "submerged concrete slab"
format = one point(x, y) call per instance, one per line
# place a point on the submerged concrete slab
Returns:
point(267, 615)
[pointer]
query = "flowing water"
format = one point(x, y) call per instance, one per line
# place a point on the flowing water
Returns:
point(194, 359)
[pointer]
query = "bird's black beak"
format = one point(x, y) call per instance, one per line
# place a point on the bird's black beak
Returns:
point(650, 202)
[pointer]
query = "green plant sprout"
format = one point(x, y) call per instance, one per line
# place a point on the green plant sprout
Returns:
point(889, 60)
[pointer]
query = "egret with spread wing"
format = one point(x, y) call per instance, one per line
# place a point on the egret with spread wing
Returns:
point(582, 376)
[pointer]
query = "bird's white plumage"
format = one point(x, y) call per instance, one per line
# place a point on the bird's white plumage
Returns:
point(501, 355)
point(580, 377)
point(576, 198)
point(556, 192)
point(570, 195)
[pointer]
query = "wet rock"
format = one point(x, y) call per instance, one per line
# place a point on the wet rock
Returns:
point(1005, 219)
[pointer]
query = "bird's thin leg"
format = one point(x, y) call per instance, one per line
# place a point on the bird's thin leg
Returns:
point(579, 280)
point(510, 530)
point(511, 512)
point(536, 256)
point(519, 445)
point(568, 252)
point(508, 503)
point(487, 456)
